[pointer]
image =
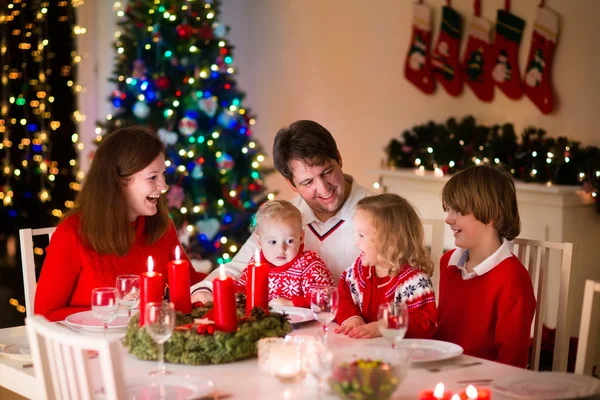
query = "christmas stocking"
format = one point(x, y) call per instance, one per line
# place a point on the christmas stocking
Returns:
point(417, 68)
point(445, 55)
point(478, 59)
point(537, 74)
point(505, 72)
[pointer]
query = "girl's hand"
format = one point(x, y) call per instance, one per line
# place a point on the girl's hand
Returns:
point(365, 331)
point(349, 325)
point(280, 301)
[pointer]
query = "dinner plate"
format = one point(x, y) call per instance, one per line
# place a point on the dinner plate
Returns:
point(86, 320)
point(425, 350)
point(16, 349)
point(173, 386)
point(296, 314)
point(546, 385)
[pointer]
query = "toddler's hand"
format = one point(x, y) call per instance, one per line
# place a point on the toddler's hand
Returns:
point(202, 296)
point(349, 325)
point(365, 331)
point(280, 301)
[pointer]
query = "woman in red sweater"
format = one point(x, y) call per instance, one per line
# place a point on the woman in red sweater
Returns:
point(120, 218)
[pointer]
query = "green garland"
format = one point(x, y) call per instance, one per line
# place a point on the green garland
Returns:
point(192, 348)
point(453, 146)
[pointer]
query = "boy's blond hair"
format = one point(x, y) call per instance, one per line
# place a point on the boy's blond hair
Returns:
point(489, 194)
point(278, 209)
point(399, 232)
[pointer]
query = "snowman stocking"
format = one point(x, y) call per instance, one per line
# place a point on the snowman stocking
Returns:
point(445, 55)
point(509, 31)
point(478, 59)
point(537, 75)
point(417, 68)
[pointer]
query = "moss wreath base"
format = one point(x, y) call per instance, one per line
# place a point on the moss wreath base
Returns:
point(187, 346)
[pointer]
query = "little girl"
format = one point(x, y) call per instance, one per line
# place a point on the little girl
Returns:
point(393, 266)
point(292, 271)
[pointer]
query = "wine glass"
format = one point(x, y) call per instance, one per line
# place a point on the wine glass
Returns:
point(393, 321)
point(128, 289)
point(319, 363)
point(159, 323)
point(104, 305)
point(324, 302)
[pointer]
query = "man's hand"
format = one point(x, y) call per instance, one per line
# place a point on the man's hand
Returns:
point(203, 296)
point(365, 331)
point(280, 301)
point(348, 325)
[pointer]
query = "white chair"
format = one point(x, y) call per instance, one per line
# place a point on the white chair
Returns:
point(28, 263)
point(63, 366)
point(587, 349)
point(436, 241)
point(534, 254)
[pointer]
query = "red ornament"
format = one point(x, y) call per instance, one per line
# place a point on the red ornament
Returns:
point(205, 32)
point(162, 82)
point(185, 31)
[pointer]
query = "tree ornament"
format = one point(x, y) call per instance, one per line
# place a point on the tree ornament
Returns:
point(209, 227)
point(185, 31)
point(162, 83)
point(478, 58)
point(167, 137)
point(417, 68)
point(209, 105)
point(139, 69)
point(141, 110)
point(220, 30)
point(205, 32)
point(445, 54)
point(187, 126)
point(197, 172)
point(175, 196)
point(228, 119)
point(509, 31)
point(225, 161)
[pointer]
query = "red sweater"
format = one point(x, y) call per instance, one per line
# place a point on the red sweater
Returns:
point(293, 280)
point(361, 292)
point(71, 270)
point(489, 315)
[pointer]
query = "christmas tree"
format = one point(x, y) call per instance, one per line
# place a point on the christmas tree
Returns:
point(174, 72)
point(38, 139)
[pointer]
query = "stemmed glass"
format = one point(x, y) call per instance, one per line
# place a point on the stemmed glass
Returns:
point(393, 321)
point(324, 302)
point(159, 323)
point(128, 289)
point(319, 363)
point(104, 305)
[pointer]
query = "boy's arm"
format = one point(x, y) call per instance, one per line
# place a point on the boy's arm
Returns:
point(513, 329)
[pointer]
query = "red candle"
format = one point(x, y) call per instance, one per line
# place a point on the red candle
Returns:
point(437, 394)
point(473, 393)
point(257, 289)
point(152, 288)
point(179, 283)
point(224, 302)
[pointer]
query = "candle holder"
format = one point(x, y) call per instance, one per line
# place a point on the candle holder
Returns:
point(282, 358)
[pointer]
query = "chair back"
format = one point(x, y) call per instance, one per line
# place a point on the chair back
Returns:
point(534, 255)
point(434, 237)
point(64, 367)
point(28, 263)
point(587, 349)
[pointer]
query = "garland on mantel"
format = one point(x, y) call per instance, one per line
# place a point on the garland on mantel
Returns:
point(453, 146)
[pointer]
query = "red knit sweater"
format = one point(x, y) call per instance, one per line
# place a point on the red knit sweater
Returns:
point(71, 270)
point(293, 280)
point(361, 292)
point(490, 315)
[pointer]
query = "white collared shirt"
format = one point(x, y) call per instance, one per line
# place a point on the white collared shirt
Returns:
point(460, 256)
point(332, 240)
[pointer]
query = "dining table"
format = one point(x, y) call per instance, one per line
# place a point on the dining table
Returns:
point(244, 379)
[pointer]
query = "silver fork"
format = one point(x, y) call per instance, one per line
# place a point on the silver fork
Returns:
point(456, 366)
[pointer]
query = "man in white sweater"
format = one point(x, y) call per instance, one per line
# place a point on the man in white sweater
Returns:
point(306, 155)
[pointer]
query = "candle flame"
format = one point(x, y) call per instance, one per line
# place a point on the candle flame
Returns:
point(222, 271)
point(438, 392)
point(150, 264)
point(257, 258)
point(472, 392)
point(177, 253)
point(455, 397)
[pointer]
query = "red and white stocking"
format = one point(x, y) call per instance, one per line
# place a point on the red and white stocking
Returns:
point(537, 74)
point(478, 58)
point(505, 72)
point(446, 67)
point(417, 68)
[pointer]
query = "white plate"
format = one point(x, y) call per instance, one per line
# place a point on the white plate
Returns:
point(546, 385)
point(173, 386)
point(296, 314)
point(425, 350)
point(16, 349)
point(86, 320)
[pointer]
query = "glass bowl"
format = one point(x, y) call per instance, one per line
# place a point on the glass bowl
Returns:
point(368, 372)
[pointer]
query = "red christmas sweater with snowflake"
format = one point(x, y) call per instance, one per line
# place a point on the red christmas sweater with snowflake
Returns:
point(293, 280)
point(362, 291)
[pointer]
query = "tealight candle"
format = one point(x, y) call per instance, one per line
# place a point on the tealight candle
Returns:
point(179, 283)
point(473, 393)
point(436, 394)
point(152, 288)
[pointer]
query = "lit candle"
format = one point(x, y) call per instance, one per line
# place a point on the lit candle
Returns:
point(257, 289)
point(473, 393)
point(152, 288)
point(224, 302)
point(179, 283)
point(436, 394)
